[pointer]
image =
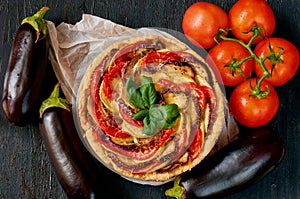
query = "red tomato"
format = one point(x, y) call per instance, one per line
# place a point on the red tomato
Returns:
point(202, 21)
point(245, 13)
point(252, 111)
point(283, 71)
point(230, 52)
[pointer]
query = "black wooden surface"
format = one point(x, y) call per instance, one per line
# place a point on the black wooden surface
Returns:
point(25, 171)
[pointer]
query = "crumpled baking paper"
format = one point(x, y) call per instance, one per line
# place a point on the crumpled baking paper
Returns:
point(74, 47)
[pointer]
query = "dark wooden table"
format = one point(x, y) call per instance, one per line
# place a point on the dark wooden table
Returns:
point(25, 170)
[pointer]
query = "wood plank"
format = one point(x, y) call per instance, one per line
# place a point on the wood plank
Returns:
point(25, 170)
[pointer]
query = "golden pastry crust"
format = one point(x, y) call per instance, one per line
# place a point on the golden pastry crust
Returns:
point(213, 121)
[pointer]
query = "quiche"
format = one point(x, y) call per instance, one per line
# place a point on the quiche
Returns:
point(133, 133)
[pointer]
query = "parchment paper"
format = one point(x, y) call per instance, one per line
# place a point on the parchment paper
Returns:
point(74, 47)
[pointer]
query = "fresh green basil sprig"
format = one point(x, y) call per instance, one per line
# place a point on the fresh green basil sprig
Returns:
point(144, 97)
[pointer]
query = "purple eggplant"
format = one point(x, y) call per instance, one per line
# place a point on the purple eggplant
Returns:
point(79, 173)
point(76, 169)
point(26, 70)
point(233, 168)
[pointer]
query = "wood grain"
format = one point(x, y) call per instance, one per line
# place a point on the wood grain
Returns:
point(25, 170)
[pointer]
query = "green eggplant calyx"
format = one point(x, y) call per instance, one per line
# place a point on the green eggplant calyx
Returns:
point(54, 101)
point(38, 23)
point(177, 191)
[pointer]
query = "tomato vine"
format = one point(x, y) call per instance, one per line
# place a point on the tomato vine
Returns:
point(274, 57)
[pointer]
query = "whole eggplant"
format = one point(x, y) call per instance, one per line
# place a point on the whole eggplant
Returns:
point(26, 70)
point(77, 170)
point(233, 168)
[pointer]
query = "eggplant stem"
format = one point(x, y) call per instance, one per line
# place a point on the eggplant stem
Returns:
point(38, 23)
point(54, 101)
point(177, 191)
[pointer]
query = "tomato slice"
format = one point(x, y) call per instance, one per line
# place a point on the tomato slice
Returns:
point(161, 57)
point(128, 52)
point(165, 83)
point(96, 80)
point(196, 145)
point(127, 115)
point(107, 124)
point(204, 94)
point(135, 152)
point(109, 76)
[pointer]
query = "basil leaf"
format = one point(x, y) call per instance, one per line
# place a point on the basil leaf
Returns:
point(157, 115)
point(136, 99)
point(150, 126)
point(140, 114)
point(145, 97)
point(171, 114)
point(148, 91)
point(134, 94)
point(165, 115)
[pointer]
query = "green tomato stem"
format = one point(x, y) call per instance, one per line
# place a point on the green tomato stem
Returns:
point(256, 32)
point(235, 66)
